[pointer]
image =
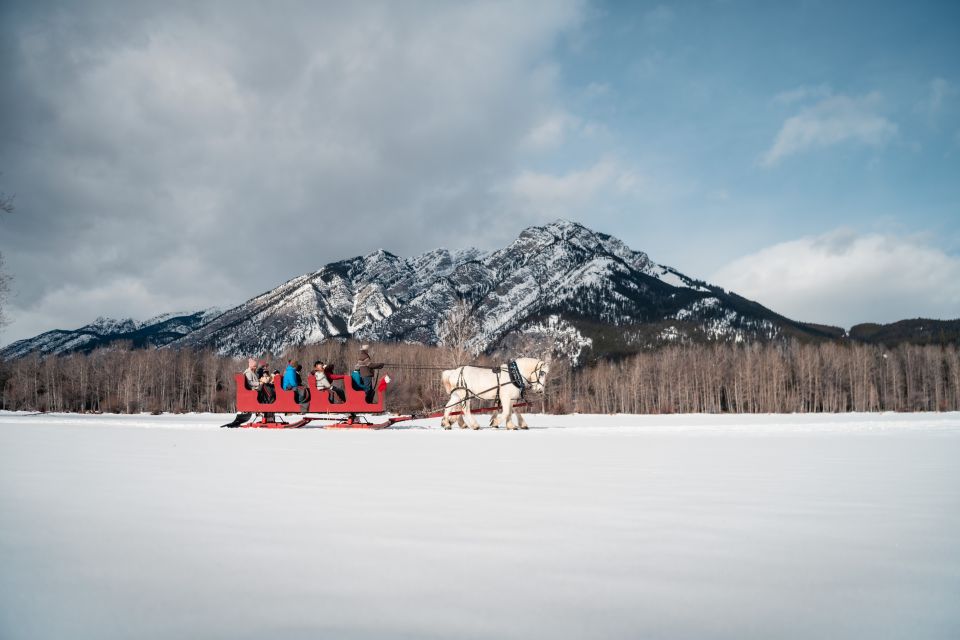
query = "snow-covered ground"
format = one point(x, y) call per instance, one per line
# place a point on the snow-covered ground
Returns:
point(584, 527)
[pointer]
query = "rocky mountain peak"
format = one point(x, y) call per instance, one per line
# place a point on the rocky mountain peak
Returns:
point(587, 290)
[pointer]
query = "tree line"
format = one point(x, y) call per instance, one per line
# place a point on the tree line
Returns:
point(705, 378)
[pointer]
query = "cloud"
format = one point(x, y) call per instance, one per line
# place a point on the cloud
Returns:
point(574, 187)
point(552, 131)
point(658, 19)
point(206, 150)
point(596, 90)
point(581, 193)
point(557, 128)
point(113, 299)
point(802, 93)
point(940, 93)
point(832, 120)
point(842, 278)
point(940, 90)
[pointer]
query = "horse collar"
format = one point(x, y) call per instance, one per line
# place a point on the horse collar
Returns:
point(515, 376)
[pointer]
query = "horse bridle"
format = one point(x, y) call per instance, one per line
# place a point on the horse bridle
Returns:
point(538, 372)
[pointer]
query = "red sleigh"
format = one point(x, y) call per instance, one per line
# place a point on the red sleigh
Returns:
point(344, 414)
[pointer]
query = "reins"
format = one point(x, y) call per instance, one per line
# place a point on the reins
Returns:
point(419, 367)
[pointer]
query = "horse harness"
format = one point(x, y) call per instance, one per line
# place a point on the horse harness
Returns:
point(516, 379)
point(513, 370)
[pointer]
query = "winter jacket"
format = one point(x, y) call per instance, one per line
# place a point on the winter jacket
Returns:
point(366, 366)
point(322, 381)
point(289, 378)
point(253, 380)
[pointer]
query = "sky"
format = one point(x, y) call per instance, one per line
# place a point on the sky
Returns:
point(178, 156)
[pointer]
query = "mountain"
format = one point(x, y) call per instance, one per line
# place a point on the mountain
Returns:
point(155, 332)
point(559, 284)
point(916, 331)
point(342, 299)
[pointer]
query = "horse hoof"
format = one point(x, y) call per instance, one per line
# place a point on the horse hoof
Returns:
point(447, 428)
point(474, 426)
point(523, 426)
point(512, 428)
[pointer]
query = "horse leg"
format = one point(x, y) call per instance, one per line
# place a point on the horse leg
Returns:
point(495, 417)
point(446, 423)
point(520, 421)
point(463, 409)
point(469, 416)
point(507, 411)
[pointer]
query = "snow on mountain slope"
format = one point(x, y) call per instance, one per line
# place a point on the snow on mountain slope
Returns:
point(676, 279)
point(342, 299)
point(155, 332)
point(561, 270)
point(587, 282)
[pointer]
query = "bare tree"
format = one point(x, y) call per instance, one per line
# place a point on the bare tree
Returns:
point(680, 378)
point(457, 332)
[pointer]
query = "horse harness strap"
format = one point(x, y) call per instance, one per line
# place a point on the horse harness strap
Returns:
point(515, 377)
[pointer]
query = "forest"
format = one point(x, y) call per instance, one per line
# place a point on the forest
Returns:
point(700, 378)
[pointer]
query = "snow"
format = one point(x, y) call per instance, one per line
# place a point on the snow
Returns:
point(671, 333)
point(671, 278)
point(562, 337)
point(697, 307)
point(674, 278)
point(687, 526)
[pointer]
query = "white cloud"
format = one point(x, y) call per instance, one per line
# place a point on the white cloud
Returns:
point(551, 131)
point(940, 90)
point(940, 93)
point(121, 297)
point(581, 193)
point(141, 134)
point(802, 93)
point(574, 187)
point(842, 278)
point(596, 90)
point(832, 120)
point(559, 127)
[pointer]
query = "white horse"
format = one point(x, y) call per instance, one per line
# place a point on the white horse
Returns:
point(467, 383)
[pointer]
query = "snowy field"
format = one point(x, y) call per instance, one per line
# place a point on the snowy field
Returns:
point(584, 527)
